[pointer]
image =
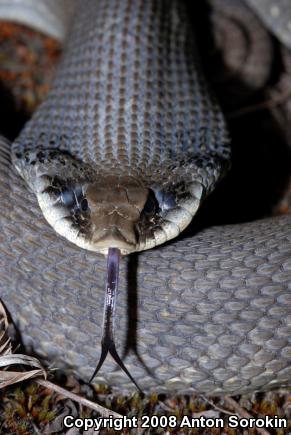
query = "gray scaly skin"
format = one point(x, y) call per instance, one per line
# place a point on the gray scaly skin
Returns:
point(210, 315)
point(147, 142)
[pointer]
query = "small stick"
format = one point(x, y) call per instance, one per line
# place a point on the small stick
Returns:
point(241, 412)
point(266, 104)
point(103, 411)
point(218, 408)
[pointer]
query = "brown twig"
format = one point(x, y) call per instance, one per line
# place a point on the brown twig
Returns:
point(92, 405)
point(241, 412)
point(224, 411)
point(166, 407)
point(267, 104)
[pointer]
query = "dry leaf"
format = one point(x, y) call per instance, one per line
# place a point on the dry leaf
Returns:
point(7, 358)
point(5, 344)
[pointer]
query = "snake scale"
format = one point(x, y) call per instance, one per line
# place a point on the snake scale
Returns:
point(208, 313)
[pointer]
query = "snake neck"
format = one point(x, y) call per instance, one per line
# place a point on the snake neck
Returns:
point(129, 100)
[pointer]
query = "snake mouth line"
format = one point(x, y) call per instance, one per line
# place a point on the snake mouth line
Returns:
point(113, 237)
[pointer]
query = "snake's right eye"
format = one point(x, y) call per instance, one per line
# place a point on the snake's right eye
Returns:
point(84, 204)
point(68, 197)
point(151, 206)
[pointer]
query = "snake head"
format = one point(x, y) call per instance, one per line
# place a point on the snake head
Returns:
point(117, 212)
point(97, 210)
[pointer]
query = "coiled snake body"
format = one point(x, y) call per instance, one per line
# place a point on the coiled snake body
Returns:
point(129, 103)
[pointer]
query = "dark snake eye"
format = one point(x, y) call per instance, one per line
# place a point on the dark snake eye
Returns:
point(68, 197)
point(151, 206)
point(84, 204)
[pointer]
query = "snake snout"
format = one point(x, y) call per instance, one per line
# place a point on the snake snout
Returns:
point(115, 236)
point(112, 228)
point(115, 205)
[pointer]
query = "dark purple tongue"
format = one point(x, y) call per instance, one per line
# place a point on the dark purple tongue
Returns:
point(107, 341)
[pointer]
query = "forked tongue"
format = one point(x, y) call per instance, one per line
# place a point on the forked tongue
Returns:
point(107, 341)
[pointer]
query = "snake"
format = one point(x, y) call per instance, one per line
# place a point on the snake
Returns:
point(125, 148)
